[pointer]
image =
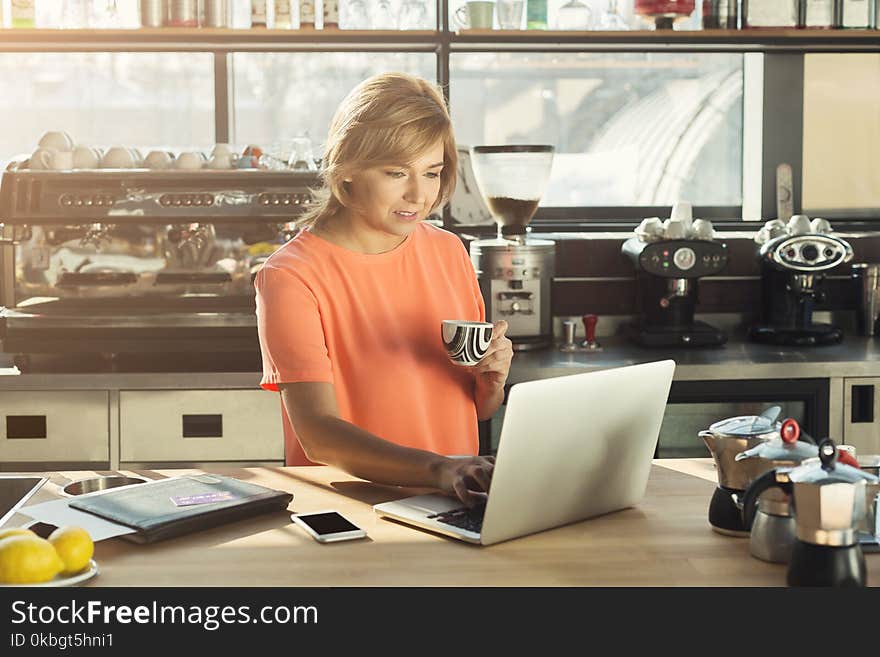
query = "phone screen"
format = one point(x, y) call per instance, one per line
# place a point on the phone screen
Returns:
point(328, 523)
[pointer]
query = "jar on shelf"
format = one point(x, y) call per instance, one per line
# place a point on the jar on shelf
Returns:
point(817, 14)
point(307, 14)
point(770, 13)
point(183, 13)
point(664, 13)
point(153, 13)
point(331, 14)
point(283, 17)
point(216, 13)
point(259, 14)
point(721, 15)
point(23, 13)
point(855, 14)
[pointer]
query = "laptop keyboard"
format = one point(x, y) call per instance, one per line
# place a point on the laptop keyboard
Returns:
point(464, 518)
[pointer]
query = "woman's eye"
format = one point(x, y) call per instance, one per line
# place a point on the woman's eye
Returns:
point(431, 174)
point(395, 174)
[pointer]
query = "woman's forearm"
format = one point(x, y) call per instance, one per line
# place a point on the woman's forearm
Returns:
point(333, 441)
point(487, 400)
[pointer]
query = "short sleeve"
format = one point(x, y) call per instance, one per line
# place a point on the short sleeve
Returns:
point(291, 334)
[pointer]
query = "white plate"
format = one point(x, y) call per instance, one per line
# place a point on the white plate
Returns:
point(90, 571)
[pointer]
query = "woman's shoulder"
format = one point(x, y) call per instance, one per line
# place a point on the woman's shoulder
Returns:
point(297, 258)
point(437, 236)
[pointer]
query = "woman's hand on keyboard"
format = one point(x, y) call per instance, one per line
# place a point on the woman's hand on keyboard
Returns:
point(468, 478)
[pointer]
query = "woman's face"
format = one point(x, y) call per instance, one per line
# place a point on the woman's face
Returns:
point(391, 200)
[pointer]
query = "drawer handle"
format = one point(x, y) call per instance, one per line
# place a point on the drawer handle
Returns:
point(203, 426)
point(25, 427)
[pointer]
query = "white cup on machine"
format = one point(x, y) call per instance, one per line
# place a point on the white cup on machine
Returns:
point(57, 139)
point(674, 229)
point(158, 160)
point(799, 224)
point(650, 229)
point(85, 157)
point(819, 225)
point(683, 211)
point(51, 158)
point(118, 157)
point(189, 161)
point(702, 229)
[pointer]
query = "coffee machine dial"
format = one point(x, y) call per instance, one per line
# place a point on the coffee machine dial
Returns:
point(677, 258)
point(807, 253)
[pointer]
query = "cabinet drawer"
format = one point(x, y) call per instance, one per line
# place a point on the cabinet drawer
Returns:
point(57, 426)
point(200, 425)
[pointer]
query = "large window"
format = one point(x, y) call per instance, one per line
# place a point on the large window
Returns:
point(279, 96)
point(105, 99)
point(630, 129)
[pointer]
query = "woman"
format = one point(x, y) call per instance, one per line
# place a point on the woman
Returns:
point(349, 311)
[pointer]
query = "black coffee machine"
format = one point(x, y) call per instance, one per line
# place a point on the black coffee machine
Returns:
point(667, 273)
point(793, 271)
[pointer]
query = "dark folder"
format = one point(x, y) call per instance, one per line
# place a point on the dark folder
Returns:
point(175, 506)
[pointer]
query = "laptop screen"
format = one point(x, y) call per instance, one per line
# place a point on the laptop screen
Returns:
point(14, 491)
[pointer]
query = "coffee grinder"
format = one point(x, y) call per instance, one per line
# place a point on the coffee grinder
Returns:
point(794, 259)
point(515, 271)
point(668, 267)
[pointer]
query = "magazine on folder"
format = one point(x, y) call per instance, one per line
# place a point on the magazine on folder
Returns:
point(180, 505)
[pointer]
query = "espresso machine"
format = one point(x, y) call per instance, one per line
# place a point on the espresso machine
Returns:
point(515, 271)
point(667, 275)
point(114, 268)
point(794, 258)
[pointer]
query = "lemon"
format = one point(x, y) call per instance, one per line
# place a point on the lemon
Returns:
point(15, 531)
point(28, 560)
point(74, 546)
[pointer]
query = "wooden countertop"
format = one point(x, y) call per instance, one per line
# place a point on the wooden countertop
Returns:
point(664, 541)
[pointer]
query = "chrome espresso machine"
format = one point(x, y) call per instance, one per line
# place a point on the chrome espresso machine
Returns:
point(515, 271)
point(136, 269)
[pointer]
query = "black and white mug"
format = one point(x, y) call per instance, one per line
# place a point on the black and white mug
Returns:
point(466, 342)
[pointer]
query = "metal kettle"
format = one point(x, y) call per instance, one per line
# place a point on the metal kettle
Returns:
point(829, 500)
point(772, 526)
point(725, 439)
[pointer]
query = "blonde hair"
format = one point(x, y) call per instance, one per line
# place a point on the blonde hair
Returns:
point(390, 118)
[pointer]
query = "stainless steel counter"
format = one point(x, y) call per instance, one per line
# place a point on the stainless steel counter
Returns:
point(854, 357)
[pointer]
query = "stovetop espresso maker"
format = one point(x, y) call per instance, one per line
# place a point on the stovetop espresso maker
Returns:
point(831, 503)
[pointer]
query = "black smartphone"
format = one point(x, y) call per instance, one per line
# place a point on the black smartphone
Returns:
point(328, 526)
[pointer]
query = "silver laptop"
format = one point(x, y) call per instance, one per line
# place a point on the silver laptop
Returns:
point(571, 448)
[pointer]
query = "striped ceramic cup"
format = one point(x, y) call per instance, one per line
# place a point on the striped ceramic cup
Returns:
point(466, 342)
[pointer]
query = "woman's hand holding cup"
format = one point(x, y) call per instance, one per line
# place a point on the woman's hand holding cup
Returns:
point(494, 366)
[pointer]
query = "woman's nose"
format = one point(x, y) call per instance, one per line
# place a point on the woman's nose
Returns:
point(415, 191)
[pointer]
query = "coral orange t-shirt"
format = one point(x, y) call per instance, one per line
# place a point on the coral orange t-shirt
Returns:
point(370, 325)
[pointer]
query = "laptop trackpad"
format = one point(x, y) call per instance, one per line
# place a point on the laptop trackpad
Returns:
point(431, 504)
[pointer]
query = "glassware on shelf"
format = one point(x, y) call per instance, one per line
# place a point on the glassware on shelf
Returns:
point(610, 19)
point(509, 14)
point(574, 15)
point(354, 15)
point(413, 15)
point(382, 15)
point(302, 157)
point(75, 14)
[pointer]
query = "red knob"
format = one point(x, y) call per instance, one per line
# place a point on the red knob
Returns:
point(590, 326)
point(790, 430)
